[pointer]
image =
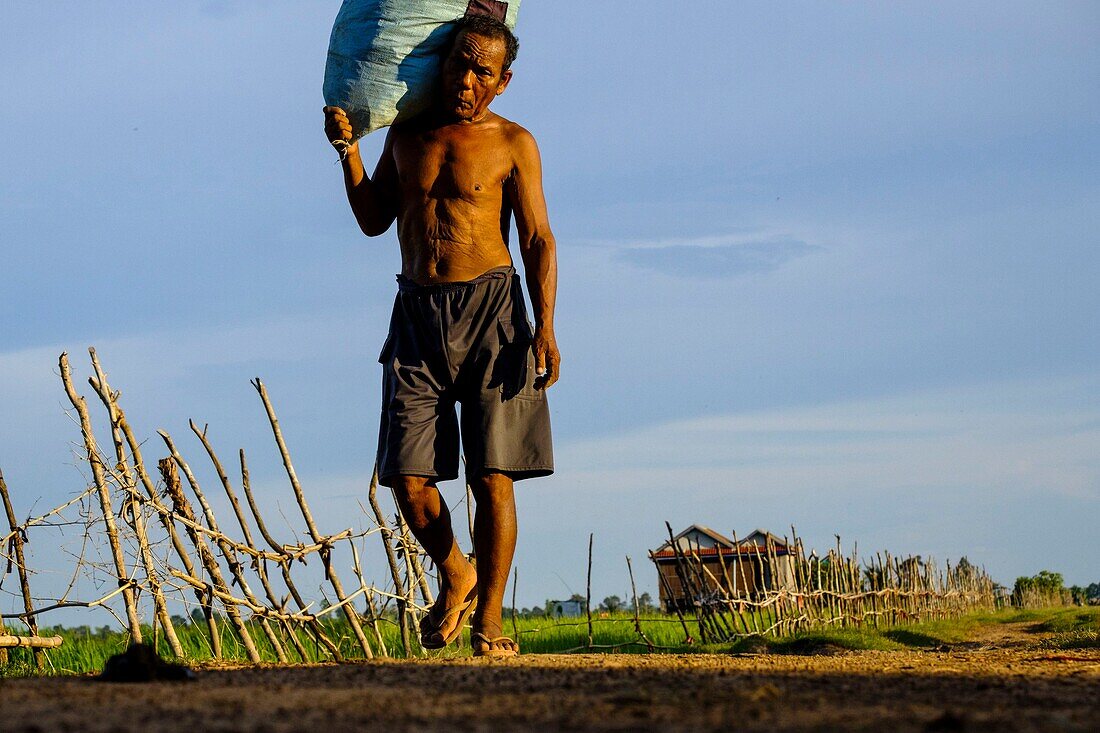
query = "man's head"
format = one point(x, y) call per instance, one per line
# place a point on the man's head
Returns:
point(477, 69)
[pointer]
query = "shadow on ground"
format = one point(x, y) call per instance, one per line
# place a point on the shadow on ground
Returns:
point(913, 638)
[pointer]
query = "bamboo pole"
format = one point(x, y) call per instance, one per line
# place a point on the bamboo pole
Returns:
point(100, 478)
point(167, 521)
point(414, 570)
point(685, 584)
point(18, 537)
point(708, 632)
point(798, 560)
point(227, 551)
point(326, 553)
point(313, 627)
point(260, 565)
point(853, 585)
point(786, 569)
point(731, 593)
point(773, 570)
point(219, 587)
point(515, 582)
point(715, 624)
point(411, 585)
point(720, 601)
point(891, 584)
point(34, 643)
point(637, 608)
point(413, 553)
point(224, 594)
point(675, 606)
point(35, 521)
point(358, 569)
point(754, 612)
point(588, 592)
point(391, 559)
point(718, 622)
point(101, 601)
point(136, 518)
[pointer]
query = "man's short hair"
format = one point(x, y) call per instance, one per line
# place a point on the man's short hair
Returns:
point(490, 27)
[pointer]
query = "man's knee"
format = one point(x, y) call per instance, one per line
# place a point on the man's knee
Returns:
point(492, 487)
point(414, 491)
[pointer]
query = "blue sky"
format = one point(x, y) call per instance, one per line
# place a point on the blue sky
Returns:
point(824, 264)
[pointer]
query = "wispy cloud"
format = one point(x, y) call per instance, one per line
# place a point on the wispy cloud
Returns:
point(716, 257)
point(1024, 437)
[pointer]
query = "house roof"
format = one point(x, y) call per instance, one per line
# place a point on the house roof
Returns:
point(760, 537)
point(722, 545)
point(719, 539)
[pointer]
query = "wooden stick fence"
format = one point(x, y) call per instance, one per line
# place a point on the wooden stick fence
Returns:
point(813, 593)
point(205, 561)
point(165, 552)
point(807, 593)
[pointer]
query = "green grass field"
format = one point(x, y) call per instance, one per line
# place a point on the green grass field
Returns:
point(1075, 627)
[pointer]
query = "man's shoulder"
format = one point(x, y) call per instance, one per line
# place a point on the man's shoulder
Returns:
point(518, 137)
point(514, 131)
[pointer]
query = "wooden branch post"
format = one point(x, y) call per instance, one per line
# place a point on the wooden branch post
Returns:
point(313, 626)
point(100, 478)
point(588, 592)
point(370, 599)
point(413, 550)
point(391, 559)
point(515, 582)
point(226, 550)
point(260, 565)
point(183, 507)
point(18, 537)
point(675, 606)
point(326, 552)
point(637, 608)
point(135, 516)
point(164, 514)
point(685, 583)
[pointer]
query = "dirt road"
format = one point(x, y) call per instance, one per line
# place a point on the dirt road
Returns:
point(1003, 682)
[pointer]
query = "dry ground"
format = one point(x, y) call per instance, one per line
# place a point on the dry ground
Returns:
point(1002, 681)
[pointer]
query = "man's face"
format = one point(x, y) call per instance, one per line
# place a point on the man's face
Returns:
point(473, 76)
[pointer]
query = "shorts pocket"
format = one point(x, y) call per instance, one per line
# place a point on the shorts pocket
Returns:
point(515, 364)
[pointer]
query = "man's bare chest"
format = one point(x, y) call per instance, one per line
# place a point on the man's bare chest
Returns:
point(452, 168)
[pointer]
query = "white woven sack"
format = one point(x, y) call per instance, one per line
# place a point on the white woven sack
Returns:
point(384, 55)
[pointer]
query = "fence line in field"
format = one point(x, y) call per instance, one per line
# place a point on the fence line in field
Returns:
point(166, 547)
point(835, 590)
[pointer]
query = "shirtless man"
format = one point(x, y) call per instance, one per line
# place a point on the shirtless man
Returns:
point(452, 178)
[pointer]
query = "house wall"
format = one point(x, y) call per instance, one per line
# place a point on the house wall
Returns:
point(748, 576)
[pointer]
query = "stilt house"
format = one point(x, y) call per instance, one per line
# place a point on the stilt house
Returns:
point(760, 562)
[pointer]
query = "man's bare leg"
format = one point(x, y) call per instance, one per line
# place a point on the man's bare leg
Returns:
point(494, 545)
point(430, 521)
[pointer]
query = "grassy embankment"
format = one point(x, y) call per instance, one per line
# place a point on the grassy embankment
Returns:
point(1072, 627)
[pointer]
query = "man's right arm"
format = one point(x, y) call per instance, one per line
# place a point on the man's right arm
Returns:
point(373, 199)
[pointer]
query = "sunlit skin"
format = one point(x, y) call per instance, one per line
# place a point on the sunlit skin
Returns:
point(452, 179)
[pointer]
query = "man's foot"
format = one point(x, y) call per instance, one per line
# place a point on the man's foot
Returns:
point(444, 621)
point(488, 642)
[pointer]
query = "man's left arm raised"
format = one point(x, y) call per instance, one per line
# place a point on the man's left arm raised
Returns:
point(538, 250)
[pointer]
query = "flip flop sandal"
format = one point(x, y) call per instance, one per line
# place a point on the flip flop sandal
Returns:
point(489, 651)
point(463, 610)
